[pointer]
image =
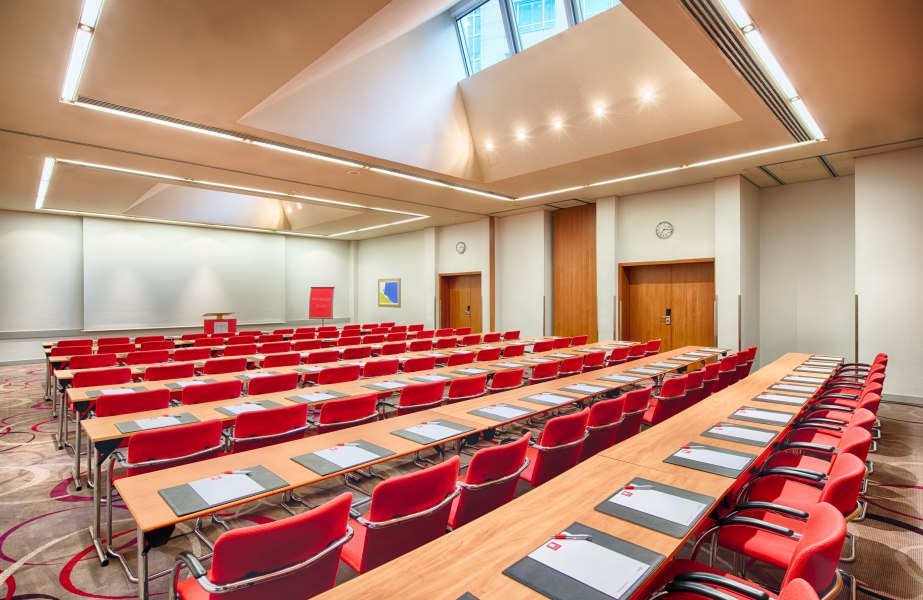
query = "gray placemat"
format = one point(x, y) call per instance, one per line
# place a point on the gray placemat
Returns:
point(710, 468)
point(267, 404)
point(788, 400)
point(322, 466)
point(321, 396)
point(134, 388)
point(657, 523)
point(132, 426)
point(756, 419)
point(498, 418)
point(419, 439)
point(434, 377)
point(378, 388)
point(184, 500)
point(731, 438)
point(535, 399)
point(246, 377)
point(176, 386)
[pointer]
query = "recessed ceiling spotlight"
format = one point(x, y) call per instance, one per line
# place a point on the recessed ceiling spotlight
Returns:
point(557, 124)
point(599, 110)
point(352, 172)
point(489, 146)
point(520, 134)
point(647, 95)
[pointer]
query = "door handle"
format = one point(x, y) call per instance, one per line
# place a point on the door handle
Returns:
point(468, 311)
point(667, 317)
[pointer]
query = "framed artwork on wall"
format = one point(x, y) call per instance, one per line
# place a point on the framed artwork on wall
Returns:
point(389, 293)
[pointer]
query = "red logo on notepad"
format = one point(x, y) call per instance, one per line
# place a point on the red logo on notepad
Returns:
point(553, 545)
point(626, 493)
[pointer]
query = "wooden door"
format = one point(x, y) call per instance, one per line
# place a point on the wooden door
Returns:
point(460, 301)
point(574, 269)
point(685, 291)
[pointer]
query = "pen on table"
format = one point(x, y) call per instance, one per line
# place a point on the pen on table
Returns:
point(693, 447)
point(236, 472)
point(347, 444)
point(571, 536)
point(632, 486)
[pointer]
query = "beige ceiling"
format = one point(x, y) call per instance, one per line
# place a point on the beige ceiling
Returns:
point(213, 61)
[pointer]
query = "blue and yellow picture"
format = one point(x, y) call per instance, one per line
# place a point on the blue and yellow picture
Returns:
point(389, 292)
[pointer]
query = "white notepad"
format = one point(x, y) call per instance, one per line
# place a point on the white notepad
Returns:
point(225, 487)
point(508, 365)
point(117, 391)
point(313, 368)
point(795, 388)
point(662, 365)
point(763, 414)
point(711, 349)
point(782, 398)
point(551, 398)
point(602, 569)
point(255, 375)
point(473, 371)
point(432, 378)
point(684, 358)
point(665, 506)
point(561, 355)
point(316, 397)
point(804, 379)
point(243, 408)
point(700, 354)
point(436, 354)
point(648, 371)
point(390, 385)
point(815, 369)
point(505, 412)
point(157, 422)
point(587, 388)
point(621, 378)
point(432, 431)
point(743, 433)
point(835, 359)
point(188, 383)
point(540, 360)
point(258, 357)
point(818, 363)
point(347, 456)
point(712, 457)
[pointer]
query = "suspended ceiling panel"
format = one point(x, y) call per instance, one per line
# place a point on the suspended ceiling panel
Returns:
point(797, 171)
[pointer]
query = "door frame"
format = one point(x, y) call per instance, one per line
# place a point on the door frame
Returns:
point(622, 308)
point(443, 289)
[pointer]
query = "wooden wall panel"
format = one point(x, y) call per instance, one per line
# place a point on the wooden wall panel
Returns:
point(574, 260)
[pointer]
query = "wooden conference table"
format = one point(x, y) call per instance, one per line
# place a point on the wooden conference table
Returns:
point(472, 558)
point(153, 515)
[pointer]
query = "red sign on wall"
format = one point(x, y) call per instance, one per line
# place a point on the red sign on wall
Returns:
point(321, 303)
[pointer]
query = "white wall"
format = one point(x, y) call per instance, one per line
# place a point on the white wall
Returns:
point(750, 265)
point(475, 259)
point(889, 255)
point(400, 256)
point(807, 279)
point(727, 258)
point(523, 244)
point(315, 262)
point(607, 211)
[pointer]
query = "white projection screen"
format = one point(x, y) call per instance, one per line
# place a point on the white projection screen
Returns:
point(146, 275)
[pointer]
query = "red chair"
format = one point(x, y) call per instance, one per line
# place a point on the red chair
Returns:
point(444, 332)
point(109, 341)
point(254, 332)
point(508, 379)
point(602, 426)
point(417, 397)
point(172, 371)
point(635, 352)
point(462, 331)
point(284, 331)
point(217, 366)
point(239, 350)
point(579, 340)
point(746, 362)
point(460, 358)
point(419, 363)
point(392, 348)
point(557, 449)
point(130, 402)
point(424, 334)
point(381, 368)
point(91, 361)
point(636, 404)
point(543, 346)
point(512, 334)
point(368, 326)
point(373, 339)
point(382, 331)
point(193, 336)
point(258, 429)
point(349, 341)
point(487, 354)
point(490, 481)
point(356, 353)
point(341, 413)
point(420, 345)
point(115, 348)
point(275, 347)
point(74, 343)
point(727, 372)
point(652, 347)
point(302, 345)
point(491, 338)
point(161, 345)
point(339, 374)
point(514, 350)
point(466, 388)
point(544, 372)
point(415, 327)
point(668, 403)
point(141, 339)
point(147, 357)
point(297, 337)
point(570, 366)
point(268, 384)
point(270, 338)
point(710, 380)
point(400, 336)
point(235, 340)
point(302, 330)
point(593, 361)
point(184, 354)
point(210, 392)
point(695, 586)
point(694, 389)
point(283, 359)
point(207, 342)
point(618, 356)
point(853, 439)
point(560, 343)
point(444, 343)
point(469, 340)
point(405, 513)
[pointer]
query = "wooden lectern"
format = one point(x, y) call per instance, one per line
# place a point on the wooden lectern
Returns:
point(218, 322)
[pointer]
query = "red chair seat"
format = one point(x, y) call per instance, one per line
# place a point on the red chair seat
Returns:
point(799, 461)
point(682, 565)
point(787, 492)
point(762, 545)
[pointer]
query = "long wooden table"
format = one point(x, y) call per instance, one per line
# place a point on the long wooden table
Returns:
point(152, 514)
point(472, 558)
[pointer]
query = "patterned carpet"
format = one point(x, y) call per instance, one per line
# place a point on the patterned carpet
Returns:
point(45, 550)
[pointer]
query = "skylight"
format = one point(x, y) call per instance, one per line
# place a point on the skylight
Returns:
point(491, 30)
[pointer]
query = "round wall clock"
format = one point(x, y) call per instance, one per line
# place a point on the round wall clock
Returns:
point(664, 229)
point(460, 247)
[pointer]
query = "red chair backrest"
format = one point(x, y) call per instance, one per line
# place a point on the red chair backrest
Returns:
point(559, 431)
point(120, 404)
point(671, 400)
point(619, 355)
point(652, 347)
point(470, 340)
point(341, 413)
point(356, 352)
point(271, 421)
point(157, 345)
point(415, 327)
point(594, 360)
point(844, 482)
point(420, 345)
point(303, 336)
point(71, 343)
point(115, 348)
point(102, 377)
point(602, 426)
point(446, 342)
point(544, 371)
point(379, 331)
point(207, 342)
point(338, 374)
point(444, 332)
point(172, 442)
point(369, 326)
point(149, 338)
point(543, 346)
point(396, 336)
point(817, 554)
point(419, 363)
point(239, 350)
point(561, 343)
point(92, 361)
point(856, 440)
point(327, 334)
point(182, 354)
point(241, 339)
point(711, 379)
point(267, 384)
point(570, 366)
point(323, 356)
point(419, 396)
point(798, 589)
point(633, 413)
point(462, 331)
point(425, 334)
point(465, 388)
point(694, 389)
point(375, 338)
point(507, 379)
point(393, 348)
point(406, 495)
point(398, 329)
point(210, 392)
point(460, 358)
point(380, 368)
point(489, 465)
point(71, 350)
point(487, 354)
point(284, 331)
point(253, 332)
point(270, 338)
point(490, 338)
point(350, 340)
point(512, 334)
point(283, 359)
point(193, 336)
point(579, 340)
point(636, 351)
point(147, 357)
point(174, 371)
point(306, 344)
point(275, 347)
point(216, 366)
point(514, 350)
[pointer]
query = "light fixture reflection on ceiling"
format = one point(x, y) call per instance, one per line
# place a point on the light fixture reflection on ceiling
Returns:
point(147, 119)
point(338, 161)
point(44, 181)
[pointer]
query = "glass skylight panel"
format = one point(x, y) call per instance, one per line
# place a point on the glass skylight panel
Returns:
point(483, 36)
point(591, 8)
point(537, 20)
